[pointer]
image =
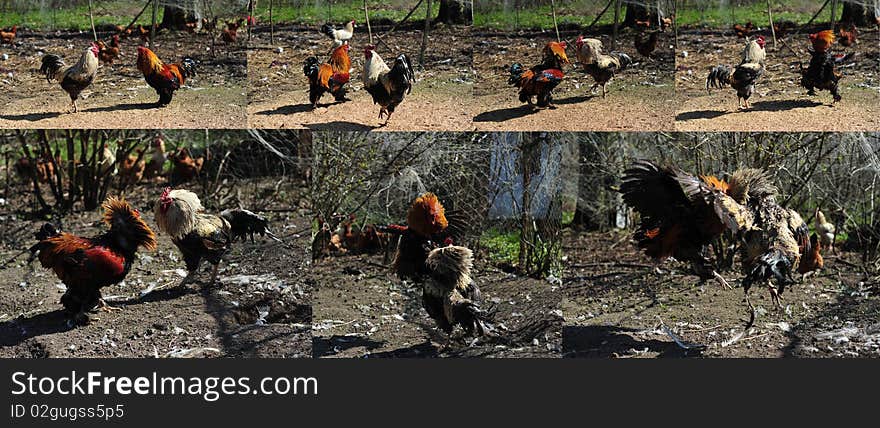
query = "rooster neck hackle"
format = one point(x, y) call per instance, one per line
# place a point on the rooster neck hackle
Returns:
point(427, 216)
point(751, 184)
point(451, 266)
point(177, 212)
point(148, 62)
point(119, 212)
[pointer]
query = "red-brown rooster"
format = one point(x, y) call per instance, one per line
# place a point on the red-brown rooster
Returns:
point(540, 80)
point(387, 86)
point(85, 265)
point(202, 236)
point(164, 78)
point(330, 76)
point(73, 79)
point(821, 73)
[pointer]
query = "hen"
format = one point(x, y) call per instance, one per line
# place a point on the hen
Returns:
point(825, 230)
point(75, 78)
point(164, 78)
point(184, 167)
point(647, 47)
point(330, 76)
point(8, 36)
point(85, 265)
point(743, 77)
point(156, 165)
point(387, 86)
point(201, 236)
point(108, 54)
point(540, 80)
point(599, 66)
point(682, 214)
point(342, 35)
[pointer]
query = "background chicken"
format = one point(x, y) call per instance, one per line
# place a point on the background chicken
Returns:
point(164, 78)
point(73, 79)
point(156, 165)
point(743, 77)
point(647, 47)
point(540, 80)
point(821, 73)
point(388, 86)
point(185, 168)
point(108, 54)
point(825, 230)
point(330, 76)
point(199, 235)
point(682, 214)
point(8, 36)
point(229, 35)
point(847, 34)
point(743, 31)
point(131, 168)
point(343, 35)
point(85, 265)
point(599, 66)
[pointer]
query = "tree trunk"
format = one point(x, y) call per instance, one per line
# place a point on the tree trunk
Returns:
point(173, 18)
point(455, 12)
point(636, 11)
point(853, 13)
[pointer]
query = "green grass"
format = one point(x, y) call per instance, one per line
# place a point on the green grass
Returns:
point(567, 218)
point(714, 16)
point(343, 12)
point(503, 246)
point(539, 17)
point(77, 18)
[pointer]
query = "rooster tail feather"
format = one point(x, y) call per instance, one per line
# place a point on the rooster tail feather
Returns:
point(516, 72)
point(718, 77)
point(47, 231)
point(403, 68)
point(310, 67)
point(244, 223)
point(327, 29)
point(774, 265)
point(51, 64)
point(624, 59)
point(188, 65)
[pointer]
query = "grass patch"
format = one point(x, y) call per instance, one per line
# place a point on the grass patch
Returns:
point(541, 17)
point(503, 247)
point(713, 16)
point(77, 18)
point(339, 12)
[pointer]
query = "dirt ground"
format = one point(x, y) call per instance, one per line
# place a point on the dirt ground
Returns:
point(779, 103)
point(119, 96)
point(638, 98)
point(616, 305)
point(440, 99)
point(362, 310)
point(261, 308)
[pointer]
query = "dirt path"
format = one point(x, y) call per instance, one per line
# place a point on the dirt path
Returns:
point(638, 99)
point(440, 99)
point(614, 303)
point(779, 104)
point(119, 97)
point(195, 320)
point(362, 310)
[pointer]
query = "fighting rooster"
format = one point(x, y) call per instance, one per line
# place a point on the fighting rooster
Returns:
point(164, 78)
point(540, 80)
point(75, 78)
point(85, 265)
point(821, 73)
point(330, 76)
point(599, 66)
point(388, 86)
point(682, 214)
point(743, 76)
point(199, 235)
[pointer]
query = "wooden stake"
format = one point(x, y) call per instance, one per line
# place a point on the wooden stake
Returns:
point(616, 24)
point(153, 26)
point(770, 17)
point(425, 35)
point(271, 25)
point(367, 18)
point(555, 26)
point(92, 21)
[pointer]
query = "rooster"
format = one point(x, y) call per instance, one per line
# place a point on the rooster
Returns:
point(199, 235)
point(73, 79)
point(646, 47)
point(342, 35)
point(8, 36)
point(426, 225)
point(85, 265)
point(387, 86)
point(599, 66)
point(821, 73)
point(744, 76)
point(330, 76)
point(825, 230)
point(540, 80)
point(164, 78)
point(682, 214)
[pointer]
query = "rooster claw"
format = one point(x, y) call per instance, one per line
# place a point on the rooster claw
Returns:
point(106, 307)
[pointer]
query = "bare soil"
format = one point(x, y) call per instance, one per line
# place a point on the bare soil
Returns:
point(440, 100)
point(260, 308)
point(780, 103)
point(615, 305)
point(638, 98)
point(361, 309)
point(120, 97)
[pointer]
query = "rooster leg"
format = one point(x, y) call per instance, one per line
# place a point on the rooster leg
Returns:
point(774, 294)
point(214, 273)
point(721, 279)
point(604, 90)
point(106, 307)
point(190, 277)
